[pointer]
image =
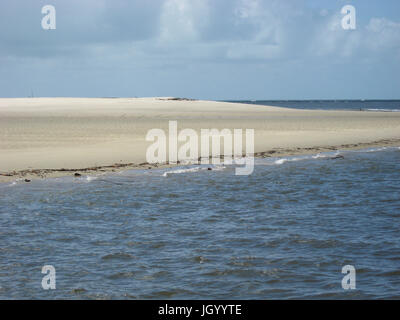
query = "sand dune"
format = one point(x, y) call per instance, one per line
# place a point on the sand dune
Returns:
point(76, 133)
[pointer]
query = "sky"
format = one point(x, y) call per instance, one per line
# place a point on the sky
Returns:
point(201, 49)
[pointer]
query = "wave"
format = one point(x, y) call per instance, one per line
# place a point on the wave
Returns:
point(340, 154)
point(165, 174)
point(306, 157)
point(372, 149)
point(332, 155)
point(280, 161)
point(293, 159)
point(194, 169)
point(383, 110)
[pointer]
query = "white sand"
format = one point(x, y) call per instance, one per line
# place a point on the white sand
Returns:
point(54, 133)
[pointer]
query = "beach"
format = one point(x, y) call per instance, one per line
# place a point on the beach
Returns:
point(47, 137)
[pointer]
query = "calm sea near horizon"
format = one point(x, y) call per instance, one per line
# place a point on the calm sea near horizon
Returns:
point(354, 105)
point(284, 232)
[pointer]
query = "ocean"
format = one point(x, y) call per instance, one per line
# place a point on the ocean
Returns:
point(284, 232)
point(355, 105)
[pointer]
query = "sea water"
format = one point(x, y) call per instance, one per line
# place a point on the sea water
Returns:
point(352, 105)
point(286, 231)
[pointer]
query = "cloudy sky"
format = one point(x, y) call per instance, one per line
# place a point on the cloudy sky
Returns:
point(206, 49)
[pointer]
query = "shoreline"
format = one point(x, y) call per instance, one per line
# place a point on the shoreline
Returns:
point(35, 174)
point(49, 137)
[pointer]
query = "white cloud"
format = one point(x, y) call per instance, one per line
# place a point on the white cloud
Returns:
point(382, 34)
point(331, 39)
point(182, 20)
point(144, 37)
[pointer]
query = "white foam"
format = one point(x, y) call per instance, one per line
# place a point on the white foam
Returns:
point(323, 155)
point(372, 149)
point(194, 169)
point(283, 160)
point(280, 161)
point(319, 156)
point(165, 174)
point(384, 110)
point(218, 168)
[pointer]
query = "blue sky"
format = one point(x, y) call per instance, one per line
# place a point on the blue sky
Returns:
point(205, 49)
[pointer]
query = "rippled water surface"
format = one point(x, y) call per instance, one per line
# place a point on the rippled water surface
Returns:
point(359, 105)
point(285, 231)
